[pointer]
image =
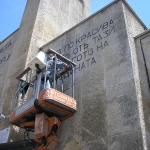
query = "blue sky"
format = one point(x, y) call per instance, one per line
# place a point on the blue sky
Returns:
point(11, 12)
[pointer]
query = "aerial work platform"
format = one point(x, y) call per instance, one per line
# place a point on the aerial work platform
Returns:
point(41, 103)
point(51, 102)
point(48, 100)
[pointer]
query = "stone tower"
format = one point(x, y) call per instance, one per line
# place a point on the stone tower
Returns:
point(42, 21)
point(111, 50)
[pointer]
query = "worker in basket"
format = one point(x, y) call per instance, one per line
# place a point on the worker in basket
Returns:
point(51, 69)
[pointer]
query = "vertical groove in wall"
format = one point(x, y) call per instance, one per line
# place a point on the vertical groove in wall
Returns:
point(146, 68)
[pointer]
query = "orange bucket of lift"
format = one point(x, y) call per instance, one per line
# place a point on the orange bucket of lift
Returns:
point(51, 101)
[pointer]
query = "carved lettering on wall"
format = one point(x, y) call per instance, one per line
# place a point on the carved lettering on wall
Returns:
point(81, 51)
point(5, 47)
point(5, 58)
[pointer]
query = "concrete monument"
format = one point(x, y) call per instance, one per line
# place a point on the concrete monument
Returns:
point(111, 49)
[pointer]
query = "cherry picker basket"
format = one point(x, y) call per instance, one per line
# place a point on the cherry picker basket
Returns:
point(48, 100)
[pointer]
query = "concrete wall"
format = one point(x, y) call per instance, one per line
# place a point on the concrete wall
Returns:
point(111, 81)
point(6, 50)
point(143, 51)
point(108, 115)
point(53, 18)
point(134, 106)
point(42, 21)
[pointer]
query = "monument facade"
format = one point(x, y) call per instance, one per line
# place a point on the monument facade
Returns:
point(111, 49)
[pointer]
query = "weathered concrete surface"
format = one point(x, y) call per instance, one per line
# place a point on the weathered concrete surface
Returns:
point(108, 116)
point(143, 52)
point(6, 50)
point(42, 21)
point(53, 18)
point(130, 141)
point(112, 95)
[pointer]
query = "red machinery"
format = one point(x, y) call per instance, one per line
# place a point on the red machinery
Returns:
point(47, 106)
